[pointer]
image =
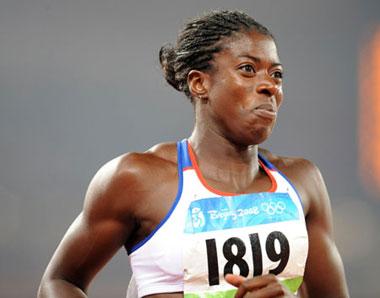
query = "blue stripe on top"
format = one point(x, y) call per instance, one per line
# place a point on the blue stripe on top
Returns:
point(269, 165)
point(180, 166)
point(184, 154)
point(266, 162)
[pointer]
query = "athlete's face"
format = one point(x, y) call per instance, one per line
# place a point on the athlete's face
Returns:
point(245, 88)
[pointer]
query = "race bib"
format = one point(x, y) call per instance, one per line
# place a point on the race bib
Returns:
point(248, 235)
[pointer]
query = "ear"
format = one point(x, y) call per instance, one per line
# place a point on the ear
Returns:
point(198, 83)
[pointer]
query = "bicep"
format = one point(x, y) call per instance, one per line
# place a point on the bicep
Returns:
point(324, 273)
point(108, 221)
point(86, 247)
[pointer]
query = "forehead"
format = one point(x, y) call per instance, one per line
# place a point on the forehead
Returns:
point(250, 43)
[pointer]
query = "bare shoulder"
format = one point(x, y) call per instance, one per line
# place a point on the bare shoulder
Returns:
point(303, 173)
point(125, 180)
point(294, 166)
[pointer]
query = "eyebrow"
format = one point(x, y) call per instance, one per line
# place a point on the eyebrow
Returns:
point(258, 60)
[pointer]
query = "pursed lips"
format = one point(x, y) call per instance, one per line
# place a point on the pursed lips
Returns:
point(266, 110)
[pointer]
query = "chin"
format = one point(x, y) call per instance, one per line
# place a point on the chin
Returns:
point(251, 134)
point(259, 135)
point(258, 132)
point(255, 137)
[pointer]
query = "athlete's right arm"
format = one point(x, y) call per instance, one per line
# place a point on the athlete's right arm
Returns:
point(103, 226)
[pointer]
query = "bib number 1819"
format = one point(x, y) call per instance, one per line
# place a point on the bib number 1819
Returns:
point(235, 258)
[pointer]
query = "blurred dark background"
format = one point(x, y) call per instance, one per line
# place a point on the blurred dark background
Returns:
point(80, 83)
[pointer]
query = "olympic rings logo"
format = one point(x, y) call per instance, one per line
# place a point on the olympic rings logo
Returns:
point(272, 208)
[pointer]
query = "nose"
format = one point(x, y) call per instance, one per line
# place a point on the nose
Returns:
point(267, 87)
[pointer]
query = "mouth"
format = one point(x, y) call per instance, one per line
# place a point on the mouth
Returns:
point(266, 111)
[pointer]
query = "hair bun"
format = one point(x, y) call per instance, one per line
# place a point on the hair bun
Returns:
point(167, 57)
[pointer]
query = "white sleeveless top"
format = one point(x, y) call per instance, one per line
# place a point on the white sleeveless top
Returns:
point(208, 233)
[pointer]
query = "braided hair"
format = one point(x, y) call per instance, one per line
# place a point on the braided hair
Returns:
point(199, 41)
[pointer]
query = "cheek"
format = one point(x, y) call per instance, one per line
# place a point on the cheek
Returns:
point(279, 97)
point(242, 96)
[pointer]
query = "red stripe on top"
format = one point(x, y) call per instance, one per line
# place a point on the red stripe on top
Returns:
point(224, 193)
point(272, 179)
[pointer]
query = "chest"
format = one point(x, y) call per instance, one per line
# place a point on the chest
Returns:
point(153, 208)
point(200, 236)
point(247, 235)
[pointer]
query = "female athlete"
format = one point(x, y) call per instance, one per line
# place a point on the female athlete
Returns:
point(213, 215)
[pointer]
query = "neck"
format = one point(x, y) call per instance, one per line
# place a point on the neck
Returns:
point(221, 160)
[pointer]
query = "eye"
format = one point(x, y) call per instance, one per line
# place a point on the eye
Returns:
point(278, 74)
point(248, 68)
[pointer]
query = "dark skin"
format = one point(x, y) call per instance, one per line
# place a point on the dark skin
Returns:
point(236, 104)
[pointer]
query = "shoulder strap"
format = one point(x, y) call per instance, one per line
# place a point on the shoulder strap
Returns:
point(184, 160)
point(267, 163)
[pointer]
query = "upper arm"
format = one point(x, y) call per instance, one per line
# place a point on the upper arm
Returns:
point(324, 273)
point(97, 233)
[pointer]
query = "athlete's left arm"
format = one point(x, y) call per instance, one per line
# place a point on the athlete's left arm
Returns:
point(324, 273)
